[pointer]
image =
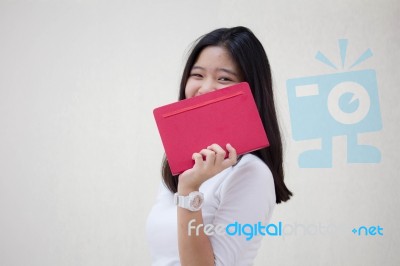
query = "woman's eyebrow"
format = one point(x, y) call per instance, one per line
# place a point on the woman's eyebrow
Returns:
point(229, 71)
point(198, 67)
point(222, 69)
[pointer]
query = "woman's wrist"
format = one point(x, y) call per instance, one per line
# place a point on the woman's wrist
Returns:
point(185, 190)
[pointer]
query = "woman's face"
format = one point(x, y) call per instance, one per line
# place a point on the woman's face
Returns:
point(213, 70)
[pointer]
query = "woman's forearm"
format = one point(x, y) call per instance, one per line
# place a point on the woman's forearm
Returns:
point(194, 246)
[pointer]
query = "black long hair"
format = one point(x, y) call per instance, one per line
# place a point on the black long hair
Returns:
point(249, 55)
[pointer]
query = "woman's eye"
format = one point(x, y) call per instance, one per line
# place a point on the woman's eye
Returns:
point(225, 79)
point(196, 75)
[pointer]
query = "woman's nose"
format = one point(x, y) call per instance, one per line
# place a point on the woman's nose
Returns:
point(207, 87)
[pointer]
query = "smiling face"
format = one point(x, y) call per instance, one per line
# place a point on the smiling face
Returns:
point(213, 70)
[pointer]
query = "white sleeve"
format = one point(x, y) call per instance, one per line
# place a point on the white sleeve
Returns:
point(247, 196)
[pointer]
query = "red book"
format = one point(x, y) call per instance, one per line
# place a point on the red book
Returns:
point(228, 115)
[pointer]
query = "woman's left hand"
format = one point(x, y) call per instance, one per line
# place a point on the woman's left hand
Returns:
point(214, 163)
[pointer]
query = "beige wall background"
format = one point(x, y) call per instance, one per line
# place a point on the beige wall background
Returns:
point(79, 150)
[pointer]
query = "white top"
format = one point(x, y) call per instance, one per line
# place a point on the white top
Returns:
point(243, 193)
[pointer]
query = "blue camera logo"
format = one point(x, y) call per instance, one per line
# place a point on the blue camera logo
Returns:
point(339, 104)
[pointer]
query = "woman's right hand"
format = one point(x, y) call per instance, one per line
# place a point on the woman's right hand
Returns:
point(204, 169)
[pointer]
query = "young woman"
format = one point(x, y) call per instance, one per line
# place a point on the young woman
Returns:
point(235, 191)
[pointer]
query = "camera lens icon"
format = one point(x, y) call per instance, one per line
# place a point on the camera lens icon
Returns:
point(348, 103)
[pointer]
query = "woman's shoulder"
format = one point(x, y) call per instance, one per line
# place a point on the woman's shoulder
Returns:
point(252, 163)
point(249, 181)
point(250, 173)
